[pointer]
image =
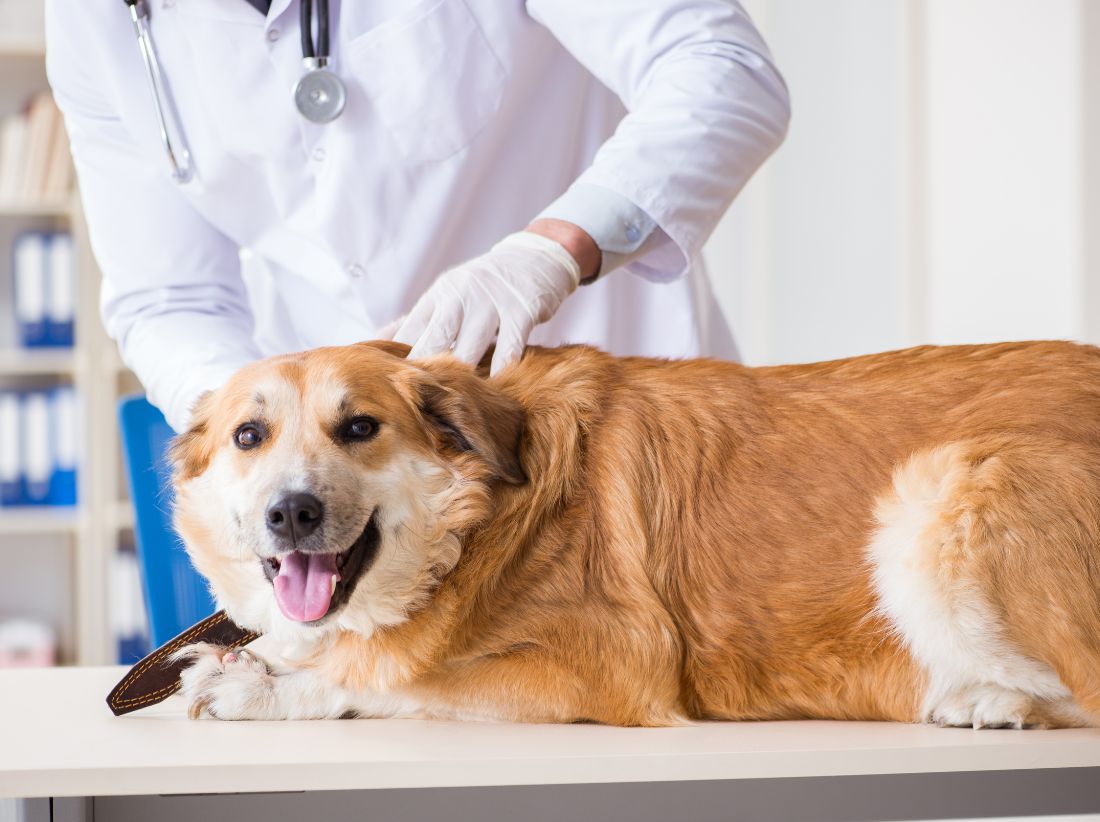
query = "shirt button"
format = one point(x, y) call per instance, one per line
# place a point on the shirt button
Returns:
point(167, 4)
point(272, 34)
point(318, 154)
point(355, 271)
point(632, 233)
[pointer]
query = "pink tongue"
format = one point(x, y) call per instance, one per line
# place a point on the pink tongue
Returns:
point(303, 587)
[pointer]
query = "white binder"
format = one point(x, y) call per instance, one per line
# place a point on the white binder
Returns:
point(65, 435)
point(37, 453)
point(11, 456)
point(61, 288)
point(29, 260)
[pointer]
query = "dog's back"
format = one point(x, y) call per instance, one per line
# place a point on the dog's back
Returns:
point(879, 537)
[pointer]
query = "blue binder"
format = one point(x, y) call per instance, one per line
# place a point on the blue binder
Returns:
point(45, 288)
point(63, 434)
point(176, 596)
point(11, 450)
point(61, 291)
point(37, 443)
point(29, 274)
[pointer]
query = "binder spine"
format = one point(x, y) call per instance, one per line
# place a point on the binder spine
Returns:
point(61, 297)
point(11, 457)
point(64, 430)
point(29, 270)
point(37, 456)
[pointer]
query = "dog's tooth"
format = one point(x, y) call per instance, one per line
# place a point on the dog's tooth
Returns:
point(335, 579)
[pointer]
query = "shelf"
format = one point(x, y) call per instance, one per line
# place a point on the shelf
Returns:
point(114, 362)
point(60, 519)
point(92, 530)
point(39, 520)
point(31, 519)
point(42, 361)
point(40, 208)
point(122, 516)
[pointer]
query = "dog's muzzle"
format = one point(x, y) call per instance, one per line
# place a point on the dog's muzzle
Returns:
point(311, 585)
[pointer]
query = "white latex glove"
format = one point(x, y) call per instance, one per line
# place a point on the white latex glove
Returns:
point(505, 293)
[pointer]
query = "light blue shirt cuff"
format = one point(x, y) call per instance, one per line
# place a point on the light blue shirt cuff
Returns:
point(622, 231)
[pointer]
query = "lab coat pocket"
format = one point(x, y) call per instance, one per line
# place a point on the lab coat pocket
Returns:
point(431, 76)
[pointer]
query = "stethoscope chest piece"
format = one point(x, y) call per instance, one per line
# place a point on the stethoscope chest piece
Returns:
point(319, 95)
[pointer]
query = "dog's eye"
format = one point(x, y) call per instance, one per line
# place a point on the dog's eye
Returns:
point(248, 436)
point(358, 429)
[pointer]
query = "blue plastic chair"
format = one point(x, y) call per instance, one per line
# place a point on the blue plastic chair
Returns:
point(176, 596)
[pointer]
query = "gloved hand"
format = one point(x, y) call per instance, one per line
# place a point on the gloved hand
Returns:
point(506, 292)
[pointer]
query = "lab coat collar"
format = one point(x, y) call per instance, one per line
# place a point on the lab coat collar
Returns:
point(230, 11)
point(277, 8)
point(262, 6)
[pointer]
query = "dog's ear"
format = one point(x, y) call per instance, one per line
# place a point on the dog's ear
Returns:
point(466, 413)
point(192, 450)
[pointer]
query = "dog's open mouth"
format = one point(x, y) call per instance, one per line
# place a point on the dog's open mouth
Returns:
point(310, 585)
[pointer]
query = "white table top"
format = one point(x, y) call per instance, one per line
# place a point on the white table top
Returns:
point(57, 738)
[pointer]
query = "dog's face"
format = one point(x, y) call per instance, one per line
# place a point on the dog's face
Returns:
point(331, 489)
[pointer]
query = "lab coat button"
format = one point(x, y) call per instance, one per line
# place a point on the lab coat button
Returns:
point(272, 34)
point(318, 154)
point(355, 271)
point(632, 233)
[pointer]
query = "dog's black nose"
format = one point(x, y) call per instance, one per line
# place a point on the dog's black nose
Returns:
point(294, 516)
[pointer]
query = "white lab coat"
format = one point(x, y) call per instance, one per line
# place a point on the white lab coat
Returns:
point(465, 119)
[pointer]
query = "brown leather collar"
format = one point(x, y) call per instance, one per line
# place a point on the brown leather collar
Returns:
point(156, 677)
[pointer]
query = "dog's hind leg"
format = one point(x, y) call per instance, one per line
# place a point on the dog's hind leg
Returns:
point(983, 562)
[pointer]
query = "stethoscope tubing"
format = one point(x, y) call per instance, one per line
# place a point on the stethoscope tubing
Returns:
point(317, 83)
point(306, 25)
point(179, 157)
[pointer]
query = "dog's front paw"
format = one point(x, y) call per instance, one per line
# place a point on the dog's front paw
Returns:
point(226, 683)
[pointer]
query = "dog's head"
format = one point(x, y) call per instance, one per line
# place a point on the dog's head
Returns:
point(331, 489)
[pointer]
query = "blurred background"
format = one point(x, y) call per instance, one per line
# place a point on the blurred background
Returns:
point(940, 184)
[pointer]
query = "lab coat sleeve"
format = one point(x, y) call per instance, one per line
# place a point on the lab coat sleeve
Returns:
point(706, 106)
point(172, 295)
point(622, 231)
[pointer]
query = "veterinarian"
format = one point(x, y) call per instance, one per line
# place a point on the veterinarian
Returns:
point(466, 165)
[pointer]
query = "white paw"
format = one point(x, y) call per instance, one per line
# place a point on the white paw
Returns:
point(982, 706)
point(226, 683)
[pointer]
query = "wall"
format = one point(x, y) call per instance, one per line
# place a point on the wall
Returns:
point(1005, 156)
point(932, 187)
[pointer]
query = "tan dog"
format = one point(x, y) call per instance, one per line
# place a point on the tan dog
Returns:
point(907, 536)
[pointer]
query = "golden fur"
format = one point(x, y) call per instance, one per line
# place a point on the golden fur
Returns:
point(640, 542)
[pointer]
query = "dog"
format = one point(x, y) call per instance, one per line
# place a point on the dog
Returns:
point(910, 536)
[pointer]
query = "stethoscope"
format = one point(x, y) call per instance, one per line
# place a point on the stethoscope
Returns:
point(319, 95)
